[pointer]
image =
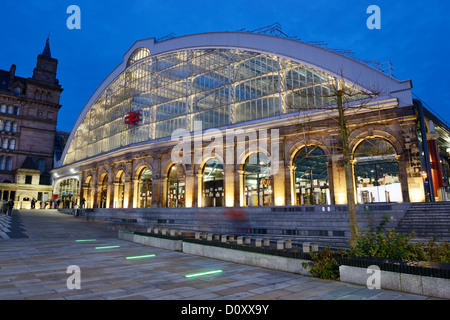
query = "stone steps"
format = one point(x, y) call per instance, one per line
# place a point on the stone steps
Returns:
point(427, 220)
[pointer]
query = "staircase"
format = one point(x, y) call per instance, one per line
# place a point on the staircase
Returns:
point(427, 220)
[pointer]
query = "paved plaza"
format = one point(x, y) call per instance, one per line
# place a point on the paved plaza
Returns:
point(38, 246)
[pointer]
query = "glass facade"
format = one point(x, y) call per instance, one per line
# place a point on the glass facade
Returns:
point(257, 180)
point(145, 188)
point(216, 86)
point(377, 172)
point(213, 184)
point(311, 177)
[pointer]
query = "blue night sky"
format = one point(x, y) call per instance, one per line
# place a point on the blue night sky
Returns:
point(413, 36)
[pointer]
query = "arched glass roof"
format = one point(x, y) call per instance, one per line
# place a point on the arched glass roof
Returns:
point(218, 86)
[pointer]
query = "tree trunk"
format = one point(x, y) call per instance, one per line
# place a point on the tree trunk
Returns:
point(347, 169)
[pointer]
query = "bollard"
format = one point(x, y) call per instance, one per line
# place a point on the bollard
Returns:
point(288, 244)
point(280, 244)
point(306, 246)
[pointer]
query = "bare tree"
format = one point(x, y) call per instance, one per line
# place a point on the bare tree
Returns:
point(336, 108)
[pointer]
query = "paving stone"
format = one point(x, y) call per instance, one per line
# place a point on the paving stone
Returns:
point(35, 268)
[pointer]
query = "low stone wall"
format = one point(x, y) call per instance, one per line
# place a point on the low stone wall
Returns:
point(247, 258)
point(428, 286)
point(243, 257)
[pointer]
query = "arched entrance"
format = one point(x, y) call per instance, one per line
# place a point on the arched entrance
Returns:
point(376, 172)
point(176, 187)
point(145, 188)
point(120, 189)
point(213, 186)
point(311, 176)
point(257, 180)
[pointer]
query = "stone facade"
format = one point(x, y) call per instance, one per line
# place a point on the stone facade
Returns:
point(28, 114)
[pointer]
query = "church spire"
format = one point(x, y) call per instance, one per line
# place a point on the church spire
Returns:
point(46, 51)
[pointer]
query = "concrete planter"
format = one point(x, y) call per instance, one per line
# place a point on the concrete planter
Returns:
point(428, 286)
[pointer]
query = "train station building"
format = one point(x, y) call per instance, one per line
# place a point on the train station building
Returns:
point(236, 119)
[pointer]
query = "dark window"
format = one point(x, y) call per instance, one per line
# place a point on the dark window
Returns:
point(28, 179)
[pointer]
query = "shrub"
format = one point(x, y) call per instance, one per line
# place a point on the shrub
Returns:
point(392, 245)
point(323, 265)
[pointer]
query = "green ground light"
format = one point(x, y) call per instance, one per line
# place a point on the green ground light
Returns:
point(140, 257)
point(106, 247)
point(202, 273)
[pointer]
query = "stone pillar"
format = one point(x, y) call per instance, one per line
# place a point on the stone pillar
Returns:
point(189, 188)
point(94, 188)
point(339, 184)
point(199, 189)
point(330, 181)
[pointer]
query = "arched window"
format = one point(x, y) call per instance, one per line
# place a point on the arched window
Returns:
point(5, 144)
point(376, 172)
point(2, 162)
point(104, 192)
point(8, 163)
point(120, 196)
point(257, 180)
point(12, 144)
point(145, 188)
point(311, 177)
point(1, 125)
point(3, 108)
point(14, 127)
point(16, 110)
point(10, 110)
point(7, 126)
point(213, 186)
point(137, 55)
point(176, 187)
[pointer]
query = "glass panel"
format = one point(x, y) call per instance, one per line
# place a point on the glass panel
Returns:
point(145, 189)
point(176, 187)
point(213, 187)
point(257, 181)
point(376, 172)
point(311, 177)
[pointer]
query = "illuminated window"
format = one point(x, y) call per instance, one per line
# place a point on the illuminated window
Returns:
point(213, 187)
point(176, 187)
point(257, 180)
point(311, 177)
point(376, 172)
point(145, 188)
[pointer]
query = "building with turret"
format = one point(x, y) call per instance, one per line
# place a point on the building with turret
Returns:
point(28, 115)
